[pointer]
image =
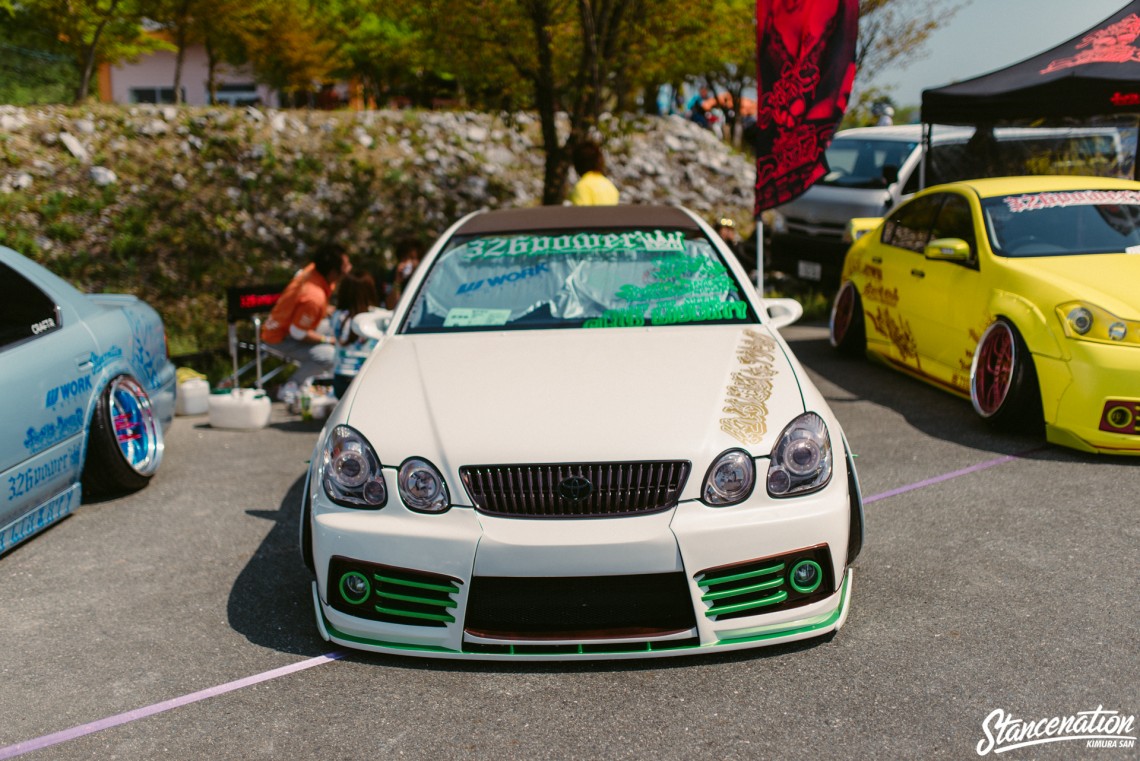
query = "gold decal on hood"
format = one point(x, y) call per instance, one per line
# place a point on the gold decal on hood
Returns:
point(750, 388)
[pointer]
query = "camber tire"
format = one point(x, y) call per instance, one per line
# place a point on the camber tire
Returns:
point(125, 443)
point(848, 332)
point(1003, 379)
point(306, 528)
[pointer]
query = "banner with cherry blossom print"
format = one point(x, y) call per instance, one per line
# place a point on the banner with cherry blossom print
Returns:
point(806, 67)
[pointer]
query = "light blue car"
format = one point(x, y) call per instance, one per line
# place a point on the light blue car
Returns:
point(88, 392)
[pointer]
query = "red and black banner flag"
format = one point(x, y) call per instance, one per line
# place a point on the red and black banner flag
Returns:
point(806, 66)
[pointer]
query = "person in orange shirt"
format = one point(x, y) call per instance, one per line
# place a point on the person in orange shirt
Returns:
point(298, 325)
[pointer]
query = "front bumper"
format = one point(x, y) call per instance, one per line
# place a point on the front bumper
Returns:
point(1076, 392)
point(736, 560)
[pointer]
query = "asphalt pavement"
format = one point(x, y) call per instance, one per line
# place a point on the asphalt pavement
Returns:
point(998, 573)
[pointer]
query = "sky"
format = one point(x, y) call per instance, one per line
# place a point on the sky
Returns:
point(990, 34)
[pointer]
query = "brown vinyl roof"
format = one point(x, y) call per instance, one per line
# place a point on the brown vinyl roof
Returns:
point(576, 218)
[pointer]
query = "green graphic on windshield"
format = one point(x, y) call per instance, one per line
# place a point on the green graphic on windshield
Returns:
point(610, 279)
point(577, 244)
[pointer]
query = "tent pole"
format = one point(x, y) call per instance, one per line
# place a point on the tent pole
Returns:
point(760, 256)
point(926, 130)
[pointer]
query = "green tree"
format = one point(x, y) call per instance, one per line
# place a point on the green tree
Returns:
point(34, 66)
point(578, 57)
point(382, 45)
point(95, 32)
point(290, 44)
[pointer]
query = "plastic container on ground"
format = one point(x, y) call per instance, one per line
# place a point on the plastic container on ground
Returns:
point(193, 397)
point(241, 409)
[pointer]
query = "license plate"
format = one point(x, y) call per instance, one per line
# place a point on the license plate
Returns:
point(809, 270)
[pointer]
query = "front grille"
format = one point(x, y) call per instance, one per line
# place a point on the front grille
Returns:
point(557, 490)
point(764, 585)
point(392, 595)
point(579, 607)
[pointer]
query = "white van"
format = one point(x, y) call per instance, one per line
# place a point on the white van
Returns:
point(874, 168)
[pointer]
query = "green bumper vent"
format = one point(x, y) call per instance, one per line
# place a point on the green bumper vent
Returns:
point(765, 585)
point(393, 595)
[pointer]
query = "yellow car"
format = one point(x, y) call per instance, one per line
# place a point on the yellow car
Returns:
point(1021, 294)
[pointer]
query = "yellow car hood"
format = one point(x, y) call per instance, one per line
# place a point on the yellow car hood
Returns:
point(1108, 281)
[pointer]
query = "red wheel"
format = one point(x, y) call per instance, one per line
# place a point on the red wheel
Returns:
point(1003, 380)
point(847, 327)
point(992, 369)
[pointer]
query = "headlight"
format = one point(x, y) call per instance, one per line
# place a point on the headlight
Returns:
point(1086, 322)
point(422, 487)
point(730, 479)
point(352, 475)
point(801, 459)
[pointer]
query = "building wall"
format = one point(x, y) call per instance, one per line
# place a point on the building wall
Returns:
point(145, 79)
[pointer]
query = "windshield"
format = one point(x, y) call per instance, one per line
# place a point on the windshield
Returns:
point(859, 163)
point(1064, 223)
point(604, 279)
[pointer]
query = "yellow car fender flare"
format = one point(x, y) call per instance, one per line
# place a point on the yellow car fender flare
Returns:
point(1029, 321)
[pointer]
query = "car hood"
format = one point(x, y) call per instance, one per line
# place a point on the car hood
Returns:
point(1105, 280)
point(675, 392)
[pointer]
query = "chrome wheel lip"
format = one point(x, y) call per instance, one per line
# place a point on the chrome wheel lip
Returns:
point(979, 371)
point(134, 426)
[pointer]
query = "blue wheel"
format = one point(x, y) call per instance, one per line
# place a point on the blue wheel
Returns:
point(125, 444)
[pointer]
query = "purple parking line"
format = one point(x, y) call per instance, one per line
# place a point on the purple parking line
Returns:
point(141, 713)
point(947, 476)
point(28, 746)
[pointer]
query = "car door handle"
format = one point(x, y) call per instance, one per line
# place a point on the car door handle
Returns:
point(83, 362)
point(876, 260)
point(918, 273)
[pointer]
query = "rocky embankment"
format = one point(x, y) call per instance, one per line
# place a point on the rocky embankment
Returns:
point(175, 204)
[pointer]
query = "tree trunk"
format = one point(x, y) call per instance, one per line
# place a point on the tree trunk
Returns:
point(89, 62)
point(178, 59)
point(211, 73)
point(545, 100)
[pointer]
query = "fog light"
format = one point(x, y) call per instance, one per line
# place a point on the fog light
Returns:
point(1116, 331)
point(806, 576)
point(354, 587)
point(1120, 417)
point(1081, 319)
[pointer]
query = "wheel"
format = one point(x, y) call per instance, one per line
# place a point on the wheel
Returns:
point(307, 533)
point(125, 444)
point(1003, 380)
point(848, 330)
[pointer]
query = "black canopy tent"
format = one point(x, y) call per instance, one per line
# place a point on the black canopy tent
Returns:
point(1093, 75)
point(1096, 73)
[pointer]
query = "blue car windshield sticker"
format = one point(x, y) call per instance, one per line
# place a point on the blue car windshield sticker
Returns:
point(581, 280)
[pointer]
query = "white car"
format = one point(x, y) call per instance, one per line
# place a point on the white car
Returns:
point(581, 436)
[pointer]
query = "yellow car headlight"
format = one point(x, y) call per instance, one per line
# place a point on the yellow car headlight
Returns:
point(1086, 322)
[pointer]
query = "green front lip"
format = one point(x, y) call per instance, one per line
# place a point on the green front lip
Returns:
point(650, 647)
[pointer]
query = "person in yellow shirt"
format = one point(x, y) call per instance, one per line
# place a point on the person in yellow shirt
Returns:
point(593, 187)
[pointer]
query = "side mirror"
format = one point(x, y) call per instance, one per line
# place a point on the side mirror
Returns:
point(948, 250)
point(372, 324)
point(782, 312)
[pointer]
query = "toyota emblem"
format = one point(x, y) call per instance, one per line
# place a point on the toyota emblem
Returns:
point(575, 488)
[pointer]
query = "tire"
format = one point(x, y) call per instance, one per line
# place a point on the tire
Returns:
point(307, 533)
point(124, 445)
point(848, 331)
point(1003, 380)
